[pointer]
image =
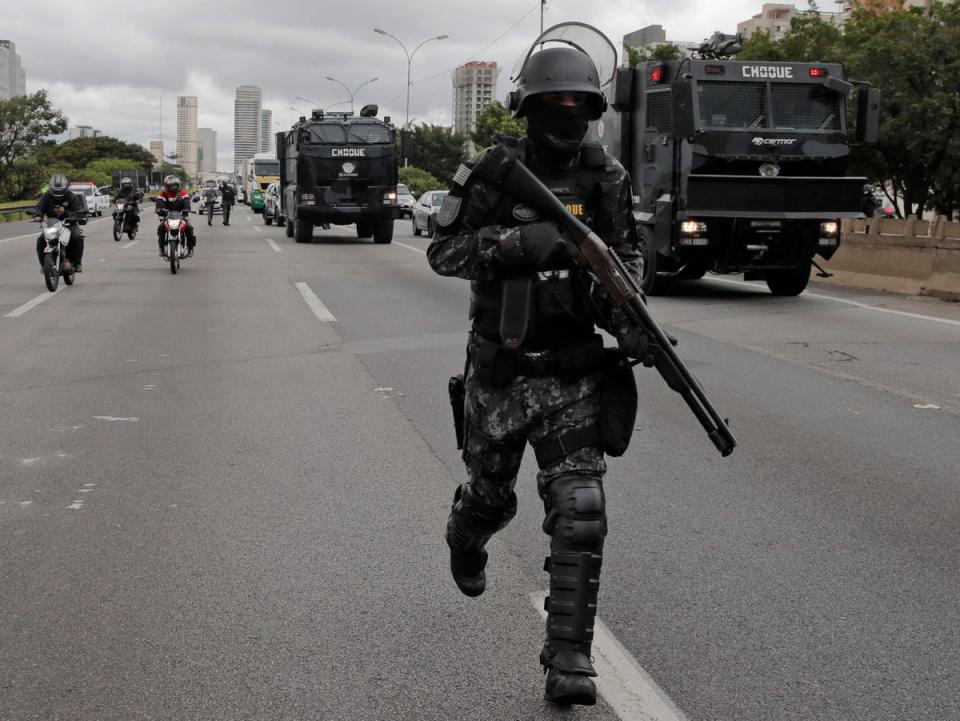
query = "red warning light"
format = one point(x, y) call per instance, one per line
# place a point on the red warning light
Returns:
point(818, 72)
point(656, 74)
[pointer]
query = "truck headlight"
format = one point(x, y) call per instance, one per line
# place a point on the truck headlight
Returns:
point(693, 227)
point(390, 197)
point(829, 229)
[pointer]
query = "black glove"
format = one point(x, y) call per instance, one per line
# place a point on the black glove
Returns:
point(545, 246)
point(636, 344)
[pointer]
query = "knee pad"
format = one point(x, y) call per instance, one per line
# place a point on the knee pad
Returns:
point(473, 520)
point(576, 515)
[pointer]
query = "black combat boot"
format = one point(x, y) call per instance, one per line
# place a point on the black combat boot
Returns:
point(571, 610)
point(471, 524)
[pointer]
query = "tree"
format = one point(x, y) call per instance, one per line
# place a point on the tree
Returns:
point(918, 77)
point(495, 120)
point(80, 152)
point(24, 123)
point(418, 180)
point(761, 46)
point(810, 39)
point(438, 150)
point(661, 52)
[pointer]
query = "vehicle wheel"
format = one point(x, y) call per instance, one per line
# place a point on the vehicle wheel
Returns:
point(290, 229)
point(789, 282)
point(117, 230)
point(650, 283)
point(69, 276)
point(281, 221)
point(267, 219)
point(174, 260)
point(383, 233)
point(364, 228)
point(430, 230)
point(303, 232)
point(51, 274)
point(416, 230)
point(132, 233)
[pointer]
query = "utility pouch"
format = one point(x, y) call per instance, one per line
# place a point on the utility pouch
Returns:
point(516, 310)
point(495, 365)
point(618, 403)
point(458, 397)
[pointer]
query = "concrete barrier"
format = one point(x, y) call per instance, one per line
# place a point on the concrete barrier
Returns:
point(909, 256)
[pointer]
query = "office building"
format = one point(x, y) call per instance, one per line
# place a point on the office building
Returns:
point(13, 78)
point(82, 131)
point(246, 123)
point(474, 87)
point(187, 134)
point(645, 39)
point(207, 150)
point(156, 150)
point(266, 131)
point(773, 18)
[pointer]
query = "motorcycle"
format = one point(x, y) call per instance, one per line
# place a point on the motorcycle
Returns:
point(175, 235)
point(125, 220)
point(56, 233)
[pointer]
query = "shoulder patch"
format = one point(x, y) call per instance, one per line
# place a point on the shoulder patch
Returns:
point(449, 211)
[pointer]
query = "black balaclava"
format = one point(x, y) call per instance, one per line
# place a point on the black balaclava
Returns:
point(556, 131)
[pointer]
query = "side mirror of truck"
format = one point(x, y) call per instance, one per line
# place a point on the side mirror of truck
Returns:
point(868, 115)
point(623, 89)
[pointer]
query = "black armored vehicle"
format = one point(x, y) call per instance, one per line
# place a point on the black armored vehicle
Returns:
point(341, 169)
point(737, 166)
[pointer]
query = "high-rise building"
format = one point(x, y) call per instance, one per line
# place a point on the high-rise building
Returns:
point(773, 18)
point(207, 150)
point(474, 87)
point(13, 78)
point(82, 131)
point(187, 134)
point(266, 131)
point(156, 150)
point(246, 123)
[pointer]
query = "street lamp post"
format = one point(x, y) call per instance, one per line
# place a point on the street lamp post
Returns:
point(313, 103)
point(409, 55)
point(354, 93)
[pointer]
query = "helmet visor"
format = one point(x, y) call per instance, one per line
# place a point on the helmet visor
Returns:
point(583, 37)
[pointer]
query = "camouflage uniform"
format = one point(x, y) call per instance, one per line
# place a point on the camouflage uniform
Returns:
point(472, 242)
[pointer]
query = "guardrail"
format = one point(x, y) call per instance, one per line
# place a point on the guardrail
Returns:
point(8, 213)
point(910, 256)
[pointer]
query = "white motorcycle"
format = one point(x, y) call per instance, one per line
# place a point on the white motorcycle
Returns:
point(56, 233)
point(175, 239)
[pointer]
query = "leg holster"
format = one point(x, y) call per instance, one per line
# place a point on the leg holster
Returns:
point(472, 522)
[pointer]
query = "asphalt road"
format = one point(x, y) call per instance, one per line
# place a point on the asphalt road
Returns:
point(216, 505)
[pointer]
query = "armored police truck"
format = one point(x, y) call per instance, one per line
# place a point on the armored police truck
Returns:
point(342, 169)
point(737, 166)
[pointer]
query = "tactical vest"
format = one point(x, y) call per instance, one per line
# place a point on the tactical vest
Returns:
point(547, 310)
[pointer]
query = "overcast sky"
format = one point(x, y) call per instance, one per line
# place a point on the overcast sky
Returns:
point(106, 63)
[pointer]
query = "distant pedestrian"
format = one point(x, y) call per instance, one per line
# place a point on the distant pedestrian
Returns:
point(228, 196)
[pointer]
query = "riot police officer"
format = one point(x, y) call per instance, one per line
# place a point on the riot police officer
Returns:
point(535, 361)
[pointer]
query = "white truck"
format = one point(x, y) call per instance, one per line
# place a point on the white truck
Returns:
point(97, 199)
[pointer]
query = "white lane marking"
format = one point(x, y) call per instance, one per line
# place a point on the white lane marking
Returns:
point(410, 247)
point(29, 305)
point(854, 303)
point(629, 690)
point(34, 235)
point(76, 505)
point(115, 419)
point(315, 304)
point(127, 245)
point(273, 245)
point(258, 228)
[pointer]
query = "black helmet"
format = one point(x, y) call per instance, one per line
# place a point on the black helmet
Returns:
point(171, 183)
point(558, 70)
point(59, 186)
point(126, 182)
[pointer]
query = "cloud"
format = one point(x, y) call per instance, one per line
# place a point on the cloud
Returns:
point(113, 59)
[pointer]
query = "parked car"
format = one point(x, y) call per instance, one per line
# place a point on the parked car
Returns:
point(271, 205)
point(425, 212)
point(96, 201)
point(405, 201)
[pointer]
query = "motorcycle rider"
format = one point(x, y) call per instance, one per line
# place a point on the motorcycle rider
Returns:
point(59, 202)
point(228, 196)
point(535, 363)
point(176, 199)
point(129, 195)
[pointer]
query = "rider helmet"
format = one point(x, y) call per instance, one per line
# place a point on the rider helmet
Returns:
point(125, 183)
point(59, 186)
point(171, 184)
